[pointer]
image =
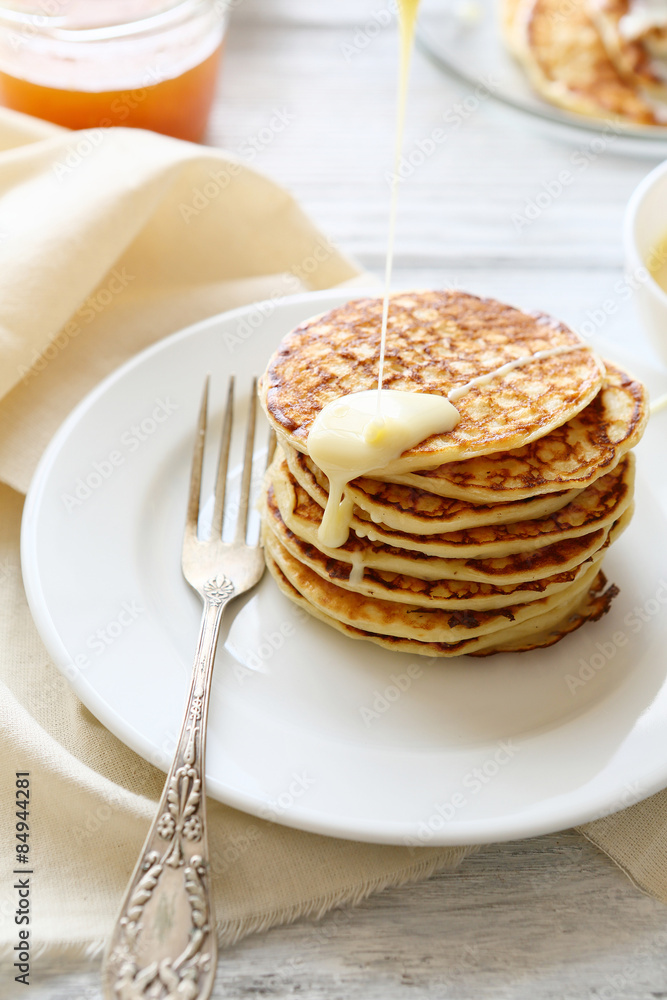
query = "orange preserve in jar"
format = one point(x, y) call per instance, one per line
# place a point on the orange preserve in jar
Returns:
point(97, 63)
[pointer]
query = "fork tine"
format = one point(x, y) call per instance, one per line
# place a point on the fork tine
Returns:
point(197, 463)
point(242, 521)
point(223, 462)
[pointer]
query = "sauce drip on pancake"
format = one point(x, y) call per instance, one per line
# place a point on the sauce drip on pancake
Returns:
point(350, 438)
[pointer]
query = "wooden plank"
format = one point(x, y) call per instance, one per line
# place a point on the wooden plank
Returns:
point(548, 918)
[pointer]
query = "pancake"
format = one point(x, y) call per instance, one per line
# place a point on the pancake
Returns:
point(440, 592)
point(543, 630)
point(439, 641)
point(488, 537)
point(596, 507)
point(538, 635)
point(411, 508)
point(556, 543)
point(573, 455)
point(633, 57)
point(412, 621)
point(560, 48)
point(436, 341)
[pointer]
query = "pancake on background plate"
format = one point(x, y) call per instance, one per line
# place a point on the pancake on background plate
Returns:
point(636, 42)
point(488, 537)
point(576, 55)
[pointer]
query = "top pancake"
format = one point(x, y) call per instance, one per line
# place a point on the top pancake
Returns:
point(436, 341)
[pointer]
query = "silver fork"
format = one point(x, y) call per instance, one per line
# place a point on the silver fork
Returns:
point(164, 943)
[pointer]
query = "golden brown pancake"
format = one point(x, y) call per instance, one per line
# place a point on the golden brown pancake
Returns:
point(413, 621)
point(464, 544)
point(597, 506)
point(411, 508)
point(543, 630)
point(539, 635)
point(556, 543)
point(436, 341)
point(444, 633)
point(545, 576)
point(573, 455)
point(560, 48)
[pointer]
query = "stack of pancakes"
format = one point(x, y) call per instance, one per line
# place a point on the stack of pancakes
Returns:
point(487, 538)
point(602, 58)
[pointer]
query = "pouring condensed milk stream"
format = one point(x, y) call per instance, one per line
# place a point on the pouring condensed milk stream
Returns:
point(361, 432)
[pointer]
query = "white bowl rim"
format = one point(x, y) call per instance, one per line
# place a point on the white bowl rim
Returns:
point(632, 255)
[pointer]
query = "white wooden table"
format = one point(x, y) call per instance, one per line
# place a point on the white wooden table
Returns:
point(546, 918)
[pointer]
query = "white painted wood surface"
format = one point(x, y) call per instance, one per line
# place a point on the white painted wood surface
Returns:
point(546, 918)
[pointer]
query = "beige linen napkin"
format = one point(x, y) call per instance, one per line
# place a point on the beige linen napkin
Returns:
point(108, 241)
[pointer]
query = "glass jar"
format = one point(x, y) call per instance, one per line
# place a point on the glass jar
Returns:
point(143, 63)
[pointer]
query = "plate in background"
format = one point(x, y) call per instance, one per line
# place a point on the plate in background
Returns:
point(464, 39)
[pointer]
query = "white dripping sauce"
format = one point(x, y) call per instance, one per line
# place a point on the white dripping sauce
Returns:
point(362, 432)
point(349, 439)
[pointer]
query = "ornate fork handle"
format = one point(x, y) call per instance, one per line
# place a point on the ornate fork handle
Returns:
point(164, 943)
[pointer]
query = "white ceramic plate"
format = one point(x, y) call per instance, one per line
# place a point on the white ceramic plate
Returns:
point(307, 726)
point(464, 39)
